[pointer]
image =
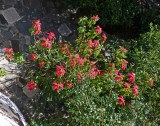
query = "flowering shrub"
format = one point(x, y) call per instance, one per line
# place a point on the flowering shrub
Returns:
point(93, 86)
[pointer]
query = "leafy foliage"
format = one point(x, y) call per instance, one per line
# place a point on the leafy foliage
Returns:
point(144, 57)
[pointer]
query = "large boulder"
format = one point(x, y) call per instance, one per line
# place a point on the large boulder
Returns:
point(10, 115)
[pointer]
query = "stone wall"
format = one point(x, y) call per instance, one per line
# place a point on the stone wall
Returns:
point(15, 19)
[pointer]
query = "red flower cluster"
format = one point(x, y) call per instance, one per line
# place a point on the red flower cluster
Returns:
point(9, 53)
point(98, 29)
point(33, 57)
point(104, 37)
point(95, 18)
point(60, 71)
point(80, 76)
point(57, 86)
point(51, 36)
point(93, 44)
point(41, 63)
point(93, 72)
point(31, 85)
point(127, 85)
point(69, 84)
point(65, 49)
point(131, 77)
point(118, 77)
point(37, 27)
point(76, 60)
point(124, 64)
point(121, 100)
point(135, 90)
point(80, 60)
point(123, 49)
point(46, 43)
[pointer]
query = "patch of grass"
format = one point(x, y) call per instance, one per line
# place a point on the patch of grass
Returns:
point(2, 72)
point(49, 122)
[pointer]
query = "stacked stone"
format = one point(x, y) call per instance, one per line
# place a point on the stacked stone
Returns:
point(15, 19)
point(14, 89)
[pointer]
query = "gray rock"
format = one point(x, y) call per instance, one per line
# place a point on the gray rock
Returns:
point(7, 43)
point(26, 3)
point(23, 26)
point(11, 76)
point(2, 79)
point(11, 15)
point(35, 4)
point(28, 40)
point(10, 114)
point(9, 83)
point(15, 45)
point(25, 48)
point(9, 2)
point(31, 94)
point(2, 87)
point(13, 30)
point(19, 83)
point(6, 34)
point(1, 55)
point(64, 30)
point(13, 66)
point(3, 61)
point(6, 67)
point(2, 40)
point(3, 20)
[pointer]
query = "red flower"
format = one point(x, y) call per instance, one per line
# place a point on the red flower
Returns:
point(80, 77)
point(9, 53)
point(123, 49)
point(80, 60)
point(151, 82)
point(95, 18)
point(104, 37)
point(124, 64)
point(36, 23)
point(51, 36)
point(72, 62)
point(121, 100)
point(98, 29)
point(118, 77)
point(57, 86)
point(90, 43)
point(69, 84)
point(41, 64)
point(31, 85)
point(94, 72)
point(8, 50)
point(111, 64)
point(127, 85)
point(131, 77)
point(60, 71)
point(135, 90)
point(64, 48)
point(33, 57)
point(37, 27)
point(89, 51)
point(96, 44)
point(46, 43)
